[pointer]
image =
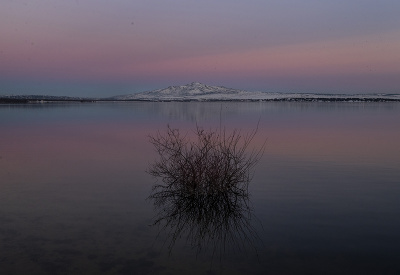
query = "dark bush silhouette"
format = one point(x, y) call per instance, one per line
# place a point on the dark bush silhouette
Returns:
point(203, 193)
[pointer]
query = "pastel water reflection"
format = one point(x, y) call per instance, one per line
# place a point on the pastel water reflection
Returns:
point(73, 188)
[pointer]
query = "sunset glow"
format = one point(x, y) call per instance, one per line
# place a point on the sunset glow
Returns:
point(104, 48)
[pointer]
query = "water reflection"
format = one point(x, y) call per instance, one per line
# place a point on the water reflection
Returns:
point(203, 194)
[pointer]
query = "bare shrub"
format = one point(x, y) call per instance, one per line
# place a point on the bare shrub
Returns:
point(204, 186)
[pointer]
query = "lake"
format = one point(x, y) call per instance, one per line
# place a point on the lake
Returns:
point(325, 195)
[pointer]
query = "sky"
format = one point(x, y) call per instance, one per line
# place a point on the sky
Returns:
point(105, 48)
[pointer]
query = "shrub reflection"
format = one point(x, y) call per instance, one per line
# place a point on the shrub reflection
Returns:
point(203, 194)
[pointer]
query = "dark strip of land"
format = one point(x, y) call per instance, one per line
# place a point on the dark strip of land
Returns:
point(10, 100)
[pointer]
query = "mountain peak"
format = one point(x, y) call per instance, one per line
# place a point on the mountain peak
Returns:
point(194, 85)
point(188, 91)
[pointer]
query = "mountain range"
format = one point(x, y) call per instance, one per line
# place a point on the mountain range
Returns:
point(196, 91)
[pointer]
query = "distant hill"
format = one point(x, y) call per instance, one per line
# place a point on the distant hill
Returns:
point(192, 91)
point(200, 92)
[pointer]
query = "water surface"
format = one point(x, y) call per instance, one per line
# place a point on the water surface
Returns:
point(74, 185)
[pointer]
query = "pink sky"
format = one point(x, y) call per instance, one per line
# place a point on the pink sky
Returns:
point(104, 48)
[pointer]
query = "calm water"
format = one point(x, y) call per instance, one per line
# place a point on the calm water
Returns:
point(73, 189)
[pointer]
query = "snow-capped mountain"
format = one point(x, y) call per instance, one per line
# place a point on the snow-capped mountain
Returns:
point(200, 92)
point(192, 91)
